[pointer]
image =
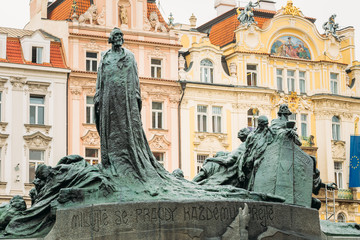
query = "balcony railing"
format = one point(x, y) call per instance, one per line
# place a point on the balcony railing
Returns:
point(345, 194)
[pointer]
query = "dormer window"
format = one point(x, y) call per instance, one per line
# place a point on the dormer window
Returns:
point(36, 56)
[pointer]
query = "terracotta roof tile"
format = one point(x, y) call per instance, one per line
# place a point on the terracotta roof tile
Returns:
point(62, 9)
point(14, 51)
point(151, 7)
point(222, 33)
point(56, 57)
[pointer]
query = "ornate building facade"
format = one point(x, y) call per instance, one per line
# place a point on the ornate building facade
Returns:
point(33, 77)
point(84, 26)
point(233, 71)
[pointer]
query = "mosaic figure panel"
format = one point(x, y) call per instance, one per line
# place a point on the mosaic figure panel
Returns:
point(290, 46)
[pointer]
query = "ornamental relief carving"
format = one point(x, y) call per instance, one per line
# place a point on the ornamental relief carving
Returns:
point(37, 87)
point(338, 150)
point(91, 138)
point(156, 52)
point(93, 45)
point(37, 140)
point(75, 91)
point(296, 103)
point(17, 83)
point(213, 141)
point(89, 90)
point(159, 142)
point(3, 138)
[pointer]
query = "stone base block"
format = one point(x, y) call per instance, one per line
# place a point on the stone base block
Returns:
point(208, 220)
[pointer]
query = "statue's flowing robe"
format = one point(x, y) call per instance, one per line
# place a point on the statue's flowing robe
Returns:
point(124, 148)
point(223, 174)
point(38, 220)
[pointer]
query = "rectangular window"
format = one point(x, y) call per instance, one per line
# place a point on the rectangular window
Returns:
point(36, 55)
point(90, 112)
point(202, 118)
point(37, 109)
point(291, 80)
point(338, 174)
point(304, 125)
point(200, 159)
point(157, 115)
point(336, 131)
point(279, 79)
point(302, 82)
point(216, 119)
point(36, 157)
point(91, 61)
point(155, 68)
point(334, 83)
point(251, 75)
point(92, 155)
point(159, 157)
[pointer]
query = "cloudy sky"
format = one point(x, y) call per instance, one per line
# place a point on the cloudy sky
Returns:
point(15, 13)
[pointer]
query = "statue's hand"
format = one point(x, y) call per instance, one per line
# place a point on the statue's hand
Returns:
point(331, 186)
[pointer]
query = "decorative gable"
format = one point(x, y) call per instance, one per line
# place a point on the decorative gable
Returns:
point(36, 40)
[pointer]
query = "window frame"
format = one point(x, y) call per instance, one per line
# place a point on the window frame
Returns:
point(216, 120)
point(155, 113)
point(338, 174)
point(290, 80)
point(161, 160)
point(37, 106)
point(37, 162)
point(254, 117)
point(304, 123)
point(336, 128)
point(91, 61)
point(157, 68)
point(334, 83)
point(202, 118)
point(253, 75)
point(279, 79)
point(91, 159)
point(302, 79)
point(89, 110)
point(200, 160)
point(206, 69)
point(37, 57)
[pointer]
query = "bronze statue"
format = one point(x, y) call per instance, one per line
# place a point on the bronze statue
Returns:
point(331, 27)
point(222, 169)
point(246, 16)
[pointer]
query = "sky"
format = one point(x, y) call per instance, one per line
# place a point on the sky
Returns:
point(15, 13)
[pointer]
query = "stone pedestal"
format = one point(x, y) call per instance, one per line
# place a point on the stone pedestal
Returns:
point(187, 220)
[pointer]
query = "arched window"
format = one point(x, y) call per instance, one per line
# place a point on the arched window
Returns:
point(336, 128)
point(253, 115)
point(206, 71)
point(341, 218)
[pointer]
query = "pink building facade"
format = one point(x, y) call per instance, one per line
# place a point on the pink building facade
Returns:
point(84, 26)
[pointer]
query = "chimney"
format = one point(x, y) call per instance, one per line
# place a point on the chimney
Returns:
point(44, 4)
point(38, 6)
point(222, 6)
point(267, 5)
point(193, 20)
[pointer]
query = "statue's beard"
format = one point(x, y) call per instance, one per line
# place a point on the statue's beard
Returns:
point(118, 43)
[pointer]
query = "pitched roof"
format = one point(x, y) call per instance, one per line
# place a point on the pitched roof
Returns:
point(14, 51)
point(221, 29)
point(151, 7)
point(62, 9)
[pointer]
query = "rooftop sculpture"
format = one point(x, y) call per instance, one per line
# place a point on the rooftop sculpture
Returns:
point(246, 16)
point(331, 27)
